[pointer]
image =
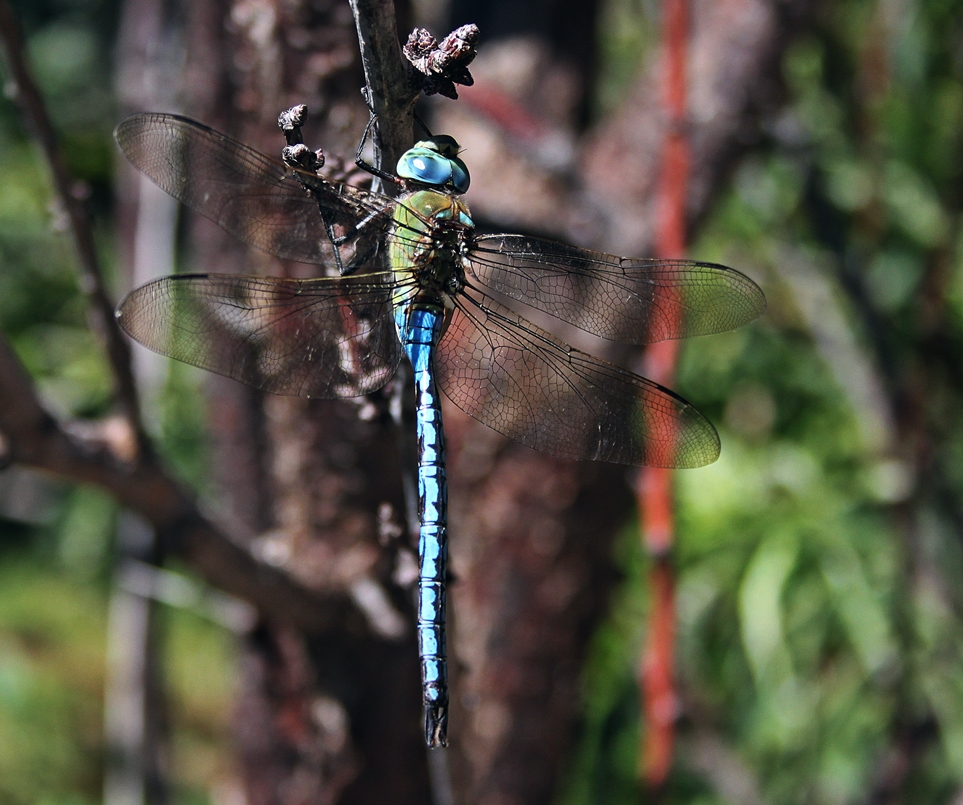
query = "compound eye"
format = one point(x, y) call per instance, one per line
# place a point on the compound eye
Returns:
point(426, 166)
point(459, 175)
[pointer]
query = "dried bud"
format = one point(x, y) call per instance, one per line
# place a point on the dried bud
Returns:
point(303, 158)
point(291, 121)
point(293, 118)
point(443, 64)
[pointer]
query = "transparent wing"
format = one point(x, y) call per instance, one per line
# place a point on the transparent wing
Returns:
point(632, 301)
point(257, 199)
point(528, 385)
point(331, 337)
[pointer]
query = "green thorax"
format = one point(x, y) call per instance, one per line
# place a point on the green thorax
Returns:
point(430, 227)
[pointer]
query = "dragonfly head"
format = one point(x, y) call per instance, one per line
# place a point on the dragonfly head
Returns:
point(435, 162)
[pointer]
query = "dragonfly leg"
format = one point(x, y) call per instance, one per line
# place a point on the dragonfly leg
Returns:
point(359, 259)
point(360, 161)
point(334, 242)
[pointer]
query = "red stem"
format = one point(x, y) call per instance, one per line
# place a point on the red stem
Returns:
point(655, 485)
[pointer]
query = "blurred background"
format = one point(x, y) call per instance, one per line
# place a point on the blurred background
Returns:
point(817, 563)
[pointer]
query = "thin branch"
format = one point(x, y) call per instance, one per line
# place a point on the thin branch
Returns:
point(392, 88)
point(135, 712)
point(391, 84)
point(101, 307)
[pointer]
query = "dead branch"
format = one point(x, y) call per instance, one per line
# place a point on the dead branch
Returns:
point(102, 456)
point(101, 307)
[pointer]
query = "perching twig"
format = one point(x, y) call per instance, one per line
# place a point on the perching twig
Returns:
point(101, 307)
point(391, 87)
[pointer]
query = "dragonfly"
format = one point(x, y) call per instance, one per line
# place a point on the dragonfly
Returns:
point(411, 276)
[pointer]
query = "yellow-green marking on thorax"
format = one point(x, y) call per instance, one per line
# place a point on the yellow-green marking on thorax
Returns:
point(418, 248)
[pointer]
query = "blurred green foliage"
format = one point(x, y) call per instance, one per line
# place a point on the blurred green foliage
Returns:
point(51, 680)
point(52, 667)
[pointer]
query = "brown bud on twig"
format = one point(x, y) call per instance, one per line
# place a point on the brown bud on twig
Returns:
point(290, 122)
point(443, 64)
point(302, 157)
